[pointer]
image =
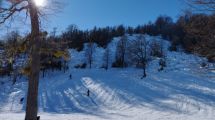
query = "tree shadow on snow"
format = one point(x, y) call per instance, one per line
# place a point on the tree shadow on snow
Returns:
point(179, 92)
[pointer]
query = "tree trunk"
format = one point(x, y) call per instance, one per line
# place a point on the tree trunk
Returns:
point(144, 72)
point(32, 97)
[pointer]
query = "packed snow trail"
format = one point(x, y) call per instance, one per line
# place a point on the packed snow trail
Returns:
point(120, 94)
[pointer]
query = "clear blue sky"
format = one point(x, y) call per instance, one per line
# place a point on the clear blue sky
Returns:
point(89, 13)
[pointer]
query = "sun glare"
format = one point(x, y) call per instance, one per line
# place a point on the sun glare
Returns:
point(40, 3)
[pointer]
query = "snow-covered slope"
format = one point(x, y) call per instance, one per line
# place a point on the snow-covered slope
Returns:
point(183, 91)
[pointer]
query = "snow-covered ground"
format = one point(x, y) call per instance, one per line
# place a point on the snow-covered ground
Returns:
point(183, 91)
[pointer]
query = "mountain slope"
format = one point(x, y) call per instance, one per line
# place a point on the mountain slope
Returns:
point(183, 91)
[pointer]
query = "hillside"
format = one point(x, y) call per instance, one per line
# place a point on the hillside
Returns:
point(183, 91)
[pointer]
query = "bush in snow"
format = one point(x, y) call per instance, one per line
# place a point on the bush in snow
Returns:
point(203, 64)
point(156, 48)
point(174, 43)
point(162, 64)
point(172, 48)
point(82, 66)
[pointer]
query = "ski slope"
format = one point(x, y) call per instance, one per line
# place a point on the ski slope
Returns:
point(183, 91)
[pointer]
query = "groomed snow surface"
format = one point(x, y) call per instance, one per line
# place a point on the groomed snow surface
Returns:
point(183, 91)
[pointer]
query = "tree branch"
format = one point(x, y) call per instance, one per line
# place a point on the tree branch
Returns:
point(6, 13)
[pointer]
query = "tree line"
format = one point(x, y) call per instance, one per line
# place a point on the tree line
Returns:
point(193, 32)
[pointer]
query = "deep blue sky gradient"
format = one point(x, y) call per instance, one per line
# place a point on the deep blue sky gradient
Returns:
point(89, 13)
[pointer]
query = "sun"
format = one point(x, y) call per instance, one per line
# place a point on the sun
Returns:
point(40, 3)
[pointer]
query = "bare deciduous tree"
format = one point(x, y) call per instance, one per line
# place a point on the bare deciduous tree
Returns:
point(138, 52)
point(90, 48)
point(121, 52)
point(203, 5)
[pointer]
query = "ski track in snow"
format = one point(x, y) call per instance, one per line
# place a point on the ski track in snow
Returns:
point(183, 91)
